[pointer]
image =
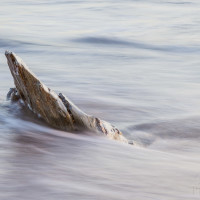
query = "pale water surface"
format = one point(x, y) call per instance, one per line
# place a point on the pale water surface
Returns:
point(133, 63)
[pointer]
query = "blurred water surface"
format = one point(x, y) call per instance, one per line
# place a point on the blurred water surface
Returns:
point(132, 63)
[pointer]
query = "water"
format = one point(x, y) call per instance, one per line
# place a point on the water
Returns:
point(132, 63)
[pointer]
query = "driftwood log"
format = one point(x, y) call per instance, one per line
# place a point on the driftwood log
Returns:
point(56, 110)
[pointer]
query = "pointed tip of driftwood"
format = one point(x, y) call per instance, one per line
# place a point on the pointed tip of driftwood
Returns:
point(7, 52)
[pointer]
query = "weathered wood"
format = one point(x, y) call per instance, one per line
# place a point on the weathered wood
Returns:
point(57, 110)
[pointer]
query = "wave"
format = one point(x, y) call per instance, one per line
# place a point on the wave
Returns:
point(15, 118)
point(21, 45)
point(186, 128)
point(138, 45)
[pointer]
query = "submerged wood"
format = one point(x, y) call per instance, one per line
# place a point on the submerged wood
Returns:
point(57, 110)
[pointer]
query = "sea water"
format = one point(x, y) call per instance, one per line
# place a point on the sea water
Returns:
point(133, 63)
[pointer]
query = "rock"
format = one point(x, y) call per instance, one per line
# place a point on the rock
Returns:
point(56, 110)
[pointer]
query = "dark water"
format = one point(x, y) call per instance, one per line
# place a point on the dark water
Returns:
point(132, 63)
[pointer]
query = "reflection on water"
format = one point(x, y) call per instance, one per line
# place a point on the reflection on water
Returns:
point(132, 63)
